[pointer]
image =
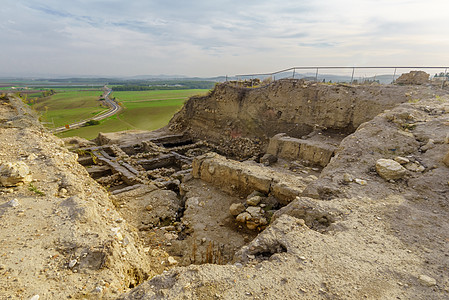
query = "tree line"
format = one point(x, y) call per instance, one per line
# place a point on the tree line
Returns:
point(162, 85)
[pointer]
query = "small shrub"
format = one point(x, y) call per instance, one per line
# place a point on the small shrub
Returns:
point(34, 189)
point(92, 122)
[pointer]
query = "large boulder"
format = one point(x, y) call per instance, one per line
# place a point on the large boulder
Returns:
point(389, 169)
point(14, 173)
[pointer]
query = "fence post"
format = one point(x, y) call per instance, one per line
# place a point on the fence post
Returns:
point(444, 81)
point(352, 76)
point(394, 75)
point(316, 75)
point(294, 73)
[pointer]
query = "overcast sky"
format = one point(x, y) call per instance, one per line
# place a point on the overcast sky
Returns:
point(217, 37)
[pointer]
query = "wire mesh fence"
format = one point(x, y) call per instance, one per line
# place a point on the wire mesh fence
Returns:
point(351, 75)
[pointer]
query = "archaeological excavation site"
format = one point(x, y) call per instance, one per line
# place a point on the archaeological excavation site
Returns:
point(291, 190)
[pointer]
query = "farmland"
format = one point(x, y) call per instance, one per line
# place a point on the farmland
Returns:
point(144, 110)
point(67, 105)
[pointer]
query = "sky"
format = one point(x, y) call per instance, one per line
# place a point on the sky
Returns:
point(216, 37)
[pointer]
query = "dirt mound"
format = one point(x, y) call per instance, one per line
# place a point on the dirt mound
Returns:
point(413, 78)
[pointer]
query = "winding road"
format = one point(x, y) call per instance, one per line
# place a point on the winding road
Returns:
point(113, 109)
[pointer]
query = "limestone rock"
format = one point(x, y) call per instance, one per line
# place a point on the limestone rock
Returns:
point(254, 211)
point(243, 217)
point(236, 209)
point(360, 181)
point(427, 281)
point(268, 159)
point(172, 261)
point(254, 201)
point(13, 203)
point(347, 178)
point(401, 160)
point(14, 173)
point(414, 167)
point(389, 169)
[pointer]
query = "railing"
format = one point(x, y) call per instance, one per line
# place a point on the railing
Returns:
point(284, 73)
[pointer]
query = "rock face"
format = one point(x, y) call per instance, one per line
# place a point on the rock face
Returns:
point(312, 151)
point(413, 77)
point(245, 177)
point(389, 169)
point(14, 173)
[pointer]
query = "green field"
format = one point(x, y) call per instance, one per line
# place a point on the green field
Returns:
point(68, 106)
point(143, 110)
point(135, 96)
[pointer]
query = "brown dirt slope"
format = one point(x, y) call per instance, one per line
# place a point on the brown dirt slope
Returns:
point(60, 235)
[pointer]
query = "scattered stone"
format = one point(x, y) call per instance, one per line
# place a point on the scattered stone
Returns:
point(430, 144)
point(268, 159)
point(72, 263)
point(360, 181)
point(254, 211)
point(13, 203)
point(14, 174)
point(243, 217)
point(347, 178)
point(427, 281)
point(263, 221)
point(389, 169)
point(172, 261)
point(414, 167)
point(254, 201)
point(63, 193)
point(170, 236)
point(149, 207)
point(301, 222)
point(401, 160)
point(251, 225)
point(35, 297)
point(236, 208)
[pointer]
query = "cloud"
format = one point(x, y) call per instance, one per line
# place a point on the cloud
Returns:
point(202, 37)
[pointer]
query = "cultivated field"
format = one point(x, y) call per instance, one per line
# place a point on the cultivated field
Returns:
point(67, 106)
point(144, 110)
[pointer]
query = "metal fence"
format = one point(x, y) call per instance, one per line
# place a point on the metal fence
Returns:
point(317, 73)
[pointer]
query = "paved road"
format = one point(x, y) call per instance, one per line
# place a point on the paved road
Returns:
point(113, 109)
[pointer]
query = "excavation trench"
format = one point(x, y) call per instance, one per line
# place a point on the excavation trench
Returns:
point(236, 163)
point(196, 205)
